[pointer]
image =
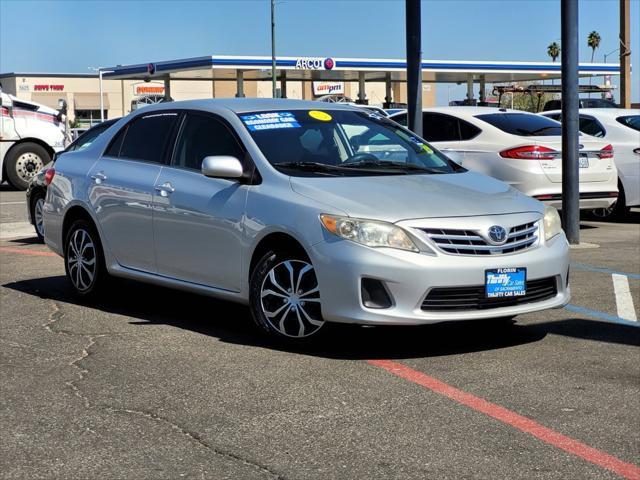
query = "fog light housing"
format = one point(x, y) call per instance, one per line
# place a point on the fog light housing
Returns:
point(375, 294)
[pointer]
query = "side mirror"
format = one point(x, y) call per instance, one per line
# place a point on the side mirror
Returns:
point(222, 166)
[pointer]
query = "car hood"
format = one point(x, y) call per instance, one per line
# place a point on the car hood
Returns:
point(393, 198)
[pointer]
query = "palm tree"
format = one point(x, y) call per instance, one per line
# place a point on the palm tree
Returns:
point(553, 50)
point(593, 41)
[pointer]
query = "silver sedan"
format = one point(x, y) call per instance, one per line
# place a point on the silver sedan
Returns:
point(309, 213)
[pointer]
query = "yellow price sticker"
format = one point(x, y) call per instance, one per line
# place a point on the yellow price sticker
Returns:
point(426, 148)
point(322, 116)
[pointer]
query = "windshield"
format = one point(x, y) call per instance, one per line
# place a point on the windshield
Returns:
point(341, 143)
point(523, 124)
point(631, 121)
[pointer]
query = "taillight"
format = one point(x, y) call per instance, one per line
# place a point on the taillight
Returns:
point(48, 176)
point(530, 152)
point(606, 152)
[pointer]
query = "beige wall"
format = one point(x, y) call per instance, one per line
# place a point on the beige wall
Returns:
point(120, 93)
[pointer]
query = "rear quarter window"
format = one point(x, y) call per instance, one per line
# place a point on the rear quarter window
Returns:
point(631, 121)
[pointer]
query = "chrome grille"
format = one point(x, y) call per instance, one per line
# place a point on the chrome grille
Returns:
point(471, 242)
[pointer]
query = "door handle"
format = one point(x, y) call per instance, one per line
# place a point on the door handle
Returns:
point(165, 189)
point(99, 177)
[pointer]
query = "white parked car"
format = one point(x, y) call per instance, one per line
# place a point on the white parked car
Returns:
point(621, 128)
point(522, 149)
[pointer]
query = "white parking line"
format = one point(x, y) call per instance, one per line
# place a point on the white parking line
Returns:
point(13, 203)
point(624, 301)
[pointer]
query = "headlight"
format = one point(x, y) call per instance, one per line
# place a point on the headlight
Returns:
point(368, 232)
point(552, 223)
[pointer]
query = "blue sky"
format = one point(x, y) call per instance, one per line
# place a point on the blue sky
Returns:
point(69, 36)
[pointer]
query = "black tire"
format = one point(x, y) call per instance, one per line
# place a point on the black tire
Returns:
point(22, 163)
point(297, 316)
point(85, 286)
point(36, 214)
point(618, 210)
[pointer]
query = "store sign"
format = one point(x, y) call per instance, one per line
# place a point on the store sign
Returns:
point(48, 88)
point(313, 63)
point(147, 88)
point(328, 88)
point(23, 87)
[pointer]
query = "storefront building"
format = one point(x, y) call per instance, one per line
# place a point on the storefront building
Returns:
point(81, 92)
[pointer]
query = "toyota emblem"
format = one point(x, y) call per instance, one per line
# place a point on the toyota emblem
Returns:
point(497, 235)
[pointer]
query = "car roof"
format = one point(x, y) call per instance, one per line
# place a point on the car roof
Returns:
point(467, 112)
point(604, 112)
point(243, 105)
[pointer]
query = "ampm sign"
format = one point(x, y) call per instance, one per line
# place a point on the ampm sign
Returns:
point(328, 88)
point(315, 63)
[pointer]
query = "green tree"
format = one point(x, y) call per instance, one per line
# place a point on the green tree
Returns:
point(593, 40)
point(553, 50)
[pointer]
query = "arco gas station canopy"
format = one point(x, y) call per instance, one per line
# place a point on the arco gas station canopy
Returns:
point(240, 68)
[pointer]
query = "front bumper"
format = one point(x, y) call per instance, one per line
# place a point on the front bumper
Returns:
point(408, 277)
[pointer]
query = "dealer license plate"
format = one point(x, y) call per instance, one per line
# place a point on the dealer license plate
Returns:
point(506, 282)
point(583, 161)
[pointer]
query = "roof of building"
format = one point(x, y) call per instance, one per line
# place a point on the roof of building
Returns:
point(224, 67)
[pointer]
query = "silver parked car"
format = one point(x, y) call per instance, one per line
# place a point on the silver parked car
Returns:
point(309, 213)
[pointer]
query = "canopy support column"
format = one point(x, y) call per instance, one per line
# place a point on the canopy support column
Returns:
point(387, 90)
point(470, 90)
point(362, 95)
point(240, 84)
point(283, 84)
point(167, 88)
point(482, 96)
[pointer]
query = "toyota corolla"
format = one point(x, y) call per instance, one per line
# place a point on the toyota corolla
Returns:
point(308, 213)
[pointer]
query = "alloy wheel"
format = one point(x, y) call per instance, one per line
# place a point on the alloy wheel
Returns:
point(290, 299)
point(81, 260)
point(38, 217)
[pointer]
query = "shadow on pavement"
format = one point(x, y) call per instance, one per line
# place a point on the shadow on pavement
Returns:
point(26, 241)
point(150, 306)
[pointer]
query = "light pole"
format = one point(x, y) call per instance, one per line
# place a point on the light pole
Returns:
point(100, 72)
point(273, 49)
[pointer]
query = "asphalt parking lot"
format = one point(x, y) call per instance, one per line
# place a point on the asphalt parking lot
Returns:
point(152, 383)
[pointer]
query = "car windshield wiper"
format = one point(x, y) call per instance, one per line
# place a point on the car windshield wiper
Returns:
point(385, 164)
point(321, 167)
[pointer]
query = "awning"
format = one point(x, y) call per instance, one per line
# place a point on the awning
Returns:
point(50, 99)
point(90, 101)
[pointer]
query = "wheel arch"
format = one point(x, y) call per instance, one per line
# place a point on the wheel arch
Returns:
point(35, 140)
point(76, 212)
point(275, 241)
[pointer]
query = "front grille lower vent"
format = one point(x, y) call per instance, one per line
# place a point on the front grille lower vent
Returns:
point(474, 298)
point(470, 242)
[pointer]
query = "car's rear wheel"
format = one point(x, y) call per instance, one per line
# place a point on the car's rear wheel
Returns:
point(285, 297)
point(37, 209)
point(84, 259)
point(617, 210)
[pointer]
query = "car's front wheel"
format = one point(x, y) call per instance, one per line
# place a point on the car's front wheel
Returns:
point(285, 297)
point(83, 259)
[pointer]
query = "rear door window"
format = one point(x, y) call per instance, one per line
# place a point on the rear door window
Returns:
point(440, 128)
point(522, 124)
point(147, 137)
